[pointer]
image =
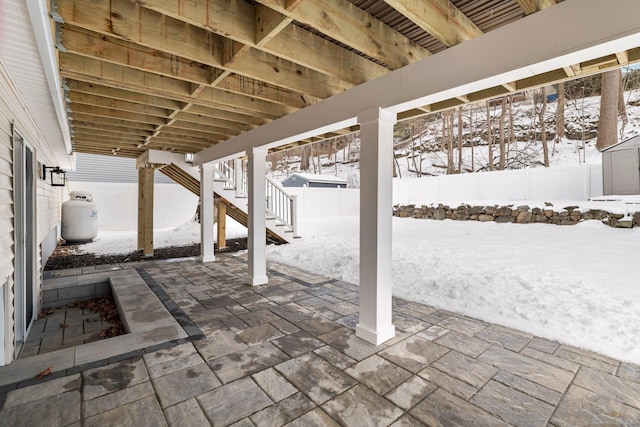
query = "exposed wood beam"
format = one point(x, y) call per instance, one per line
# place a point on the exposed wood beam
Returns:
point(92, 71)
point(171, 132)
point(440, 18)
point(600, 26)
point(111, 49)
point(129, 21)
point(179, 124)
point(210, 121)
point(99, 133)
point(104, 48)
point(99, 101)
point(305, 48)
point(111, 122)
point(240, 22)
point(93, 127)
point(123, 115)
point(124, 95)
point(226, 115)
point(242, 85)
point(345, 22)
point(533, 6)
point(623, 57)
point(511, 86)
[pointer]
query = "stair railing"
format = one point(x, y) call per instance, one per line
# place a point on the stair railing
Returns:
point(282, 206)
point(279, 204)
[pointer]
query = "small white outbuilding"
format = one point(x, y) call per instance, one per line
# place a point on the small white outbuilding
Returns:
point(621, 167)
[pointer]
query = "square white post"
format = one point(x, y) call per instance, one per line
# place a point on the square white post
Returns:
point(206, 212)
point(376, 175)
point(238, 177)
point(257, 216)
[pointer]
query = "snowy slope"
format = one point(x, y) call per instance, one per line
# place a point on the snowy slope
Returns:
point(526, 152)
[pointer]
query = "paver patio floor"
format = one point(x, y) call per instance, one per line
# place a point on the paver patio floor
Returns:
point(286, 354)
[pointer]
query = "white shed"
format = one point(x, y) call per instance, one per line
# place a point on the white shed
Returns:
point(621, 167)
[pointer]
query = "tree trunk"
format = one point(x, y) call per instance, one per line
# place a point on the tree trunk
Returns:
point(304, 158)
point(472, 137)
point(543, 127)
point(608, 124)
point(622, 108)
point(449, 139)
point(512, 131)
point(413, 152)
point(503, 112)
point(489, 137)
point(560, 133)
point(459, 139)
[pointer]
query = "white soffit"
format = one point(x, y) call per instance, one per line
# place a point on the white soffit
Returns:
point(19, 53)
point(568, 33)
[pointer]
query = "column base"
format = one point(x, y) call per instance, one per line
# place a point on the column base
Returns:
point(376, 337)
point(257, 281)
point(207, 258)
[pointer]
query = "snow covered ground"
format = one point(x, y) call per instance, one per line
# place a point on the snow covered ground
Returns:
point(579, 285)
point(576, 284)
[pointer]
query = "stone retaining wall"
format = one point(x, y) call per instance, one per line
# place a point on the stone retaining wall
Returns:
point(568, 215)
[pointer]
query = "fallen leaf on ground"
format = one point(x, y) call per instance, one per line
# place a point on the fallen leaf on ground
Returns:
point(64, 325)
point(44, 373)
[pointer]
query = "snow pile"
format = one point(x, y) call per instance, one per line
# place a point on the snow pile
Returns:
point(124, 242)
point(574, 284)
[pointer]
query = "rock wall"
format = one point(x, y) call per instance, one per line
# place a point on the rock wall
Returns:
point(524, 214)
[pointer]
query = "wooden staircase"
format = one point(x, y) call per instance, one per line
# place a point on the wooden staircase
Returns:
point(183, 178)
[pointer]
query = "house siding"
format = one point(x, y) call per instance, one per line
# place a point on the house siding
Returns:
point(14, 115)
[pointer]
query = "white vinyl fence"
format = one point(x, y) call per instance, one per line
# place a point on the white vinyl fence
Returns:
point(557, 183)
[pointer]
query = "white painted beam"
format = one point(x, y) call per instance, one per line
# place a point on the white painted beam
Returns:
point(257, 222)
point(568, 33)
point(376, 187)
point(206, 213)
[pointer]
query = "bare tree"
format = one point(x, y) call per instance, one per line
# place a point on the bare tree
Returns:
point(560, 133)
point(608, 124)
point(304, 157)
point(447, 138)
point(501, 141)
point(472, 137)
point(460, 139)
point(543, 127)
point(489, 137)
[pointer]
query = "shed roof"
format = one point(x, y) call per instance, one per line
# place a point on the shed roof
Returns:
point(633, 142)
point(321, 178)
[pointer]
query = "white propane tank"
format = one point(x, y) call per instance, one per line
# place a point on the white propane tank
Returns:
point(79, 218)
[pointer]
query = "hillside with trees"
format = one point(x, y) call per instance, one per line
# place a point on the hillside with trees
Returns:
point(556, 125)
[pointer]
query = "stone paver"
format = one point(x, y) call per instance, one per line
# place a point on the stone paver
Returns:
point(358, 404)
point(232, 402)
point(513, 406)
point(378, 374)
point(315, 377)
point(286, 354)
point(444, 409)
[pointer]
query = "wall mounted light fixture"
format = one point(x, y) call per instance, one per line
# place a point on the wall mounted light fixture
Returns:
point(58, 177)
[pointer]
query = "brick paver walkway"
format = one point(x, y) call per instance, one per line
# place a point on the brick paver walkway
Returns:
point(286, 354)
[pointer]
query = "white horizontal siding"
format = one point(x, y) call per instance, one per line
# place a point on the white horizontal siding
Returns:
point(97, 168)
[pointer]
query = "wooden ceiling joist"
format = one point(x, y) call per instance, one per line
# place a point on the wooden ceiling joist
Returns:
point(183, 75)
point(123, 95)
point(440, 18)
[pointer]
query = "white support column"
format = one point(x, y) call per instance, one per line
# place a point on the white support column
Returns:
point(238, 176)
point(257, 217)
point(376, 179)
point(206, 212)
